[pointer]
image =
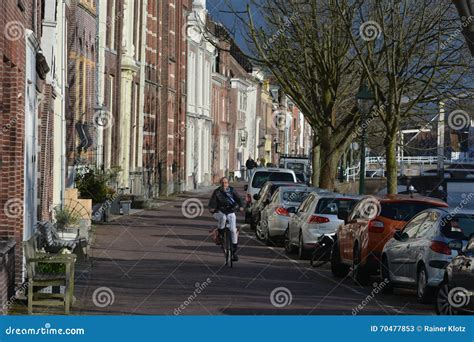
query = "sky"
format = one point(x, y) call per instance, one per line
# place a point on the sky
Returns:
point(217, 9)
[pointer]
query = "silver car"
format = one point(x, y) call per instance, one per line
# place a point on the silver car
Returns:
point(317, 215)
point(275, 216)
point(412, 258)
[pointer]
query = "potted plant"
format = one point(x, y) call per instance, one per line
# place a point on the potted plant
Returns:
point(95, 184)
point(66, 218)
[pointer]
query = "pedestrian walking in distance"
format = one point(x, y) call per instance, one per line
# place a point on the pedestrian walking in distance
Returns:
point(250, 164)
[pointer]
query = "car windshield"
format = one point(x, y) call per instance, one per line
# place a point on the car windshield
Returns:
point(298, 167)
point(261, 177)
point(332, 206)
point(300, 177)
point(294, 196)
point(403, 211)
point(458, 227)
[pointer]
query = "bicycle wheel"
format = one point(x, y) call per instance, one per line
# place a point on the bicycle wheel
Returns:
point(225, 244)
point(231, 249)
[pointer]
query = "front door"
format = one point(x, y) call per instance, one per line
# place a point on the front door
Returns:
point(30, 168)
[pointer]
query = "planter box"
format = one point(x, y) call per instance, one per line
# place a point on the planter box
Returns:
point(101, 212)
point(125, 207)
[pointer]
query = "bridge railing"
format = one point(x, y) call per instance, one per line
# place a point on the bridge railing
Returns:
point(405, 160)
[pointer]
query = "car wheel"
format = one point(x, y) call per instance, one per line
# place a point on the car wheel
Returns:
point(289, 248)
point(386, 276)
point(259, 232)
point(338, 269)
point(303, 254)
point(424, 293)
point(268, 239)
point(443, 303)
point(359, 272)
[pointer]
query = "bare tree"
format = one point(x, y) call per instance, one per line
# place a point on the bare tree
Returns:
point(410, 56)
point(305, 45)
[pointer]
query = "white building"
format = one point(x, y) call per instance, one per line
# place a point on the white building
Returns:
point(53, 43)
point(201, 59)
point(245, 137)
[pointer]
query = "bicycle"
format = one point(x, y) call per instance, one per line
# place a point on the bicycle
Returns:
point(227, 245)
point(322, 250)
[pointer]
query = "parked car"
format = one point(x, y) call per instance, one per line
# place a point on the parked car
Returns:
point(301, 177)
point(455, 294)
point(367, 229)
point(317, 215)
point(275, 216)
point(298, 163)
point(410, 258)
point(263, 198)
point(260, 177)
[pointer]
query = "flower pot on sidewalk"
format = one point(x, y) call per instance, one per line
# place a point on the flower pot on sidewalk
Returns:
point(125, 206)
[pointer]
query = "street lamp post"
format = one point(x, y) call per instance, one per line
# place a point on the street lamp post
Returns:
point(365, 100)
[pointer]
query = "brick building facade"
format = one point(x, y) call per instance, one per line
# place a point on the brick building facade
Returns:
point(81, 73)
point(26, 108)
point(172, 49)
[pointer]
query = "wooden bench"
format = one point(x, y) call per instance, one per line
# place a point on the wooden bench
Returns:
point(39, 280)
point(53, 241)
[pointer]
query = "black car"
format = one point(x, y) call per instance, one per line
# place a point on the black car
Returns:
point(455, 294)
point(264, 197)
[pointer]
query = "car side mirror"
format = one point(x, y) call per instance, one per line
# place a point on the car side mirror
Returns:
point(246, 187)
point(455, 245)
point(291, 210)
point(256, 197)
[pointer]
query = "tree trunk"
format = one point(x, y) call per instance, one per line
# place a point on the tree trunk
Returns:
point(329, 160)
point(391, 164)
point(316, 161)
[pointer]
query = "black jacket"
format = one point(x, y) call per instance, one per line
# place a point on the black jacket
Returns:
point(221, 201)
point(250, 164)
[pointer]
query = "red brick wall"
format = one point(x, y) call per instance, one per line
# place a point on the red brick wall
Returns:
point(151, 97)
point(171, 121)
point(112, 68)
point(81, 76)
point(15, 18)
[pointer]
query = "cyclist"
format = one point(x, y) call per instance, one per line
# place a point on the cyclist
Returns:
point(224, 203)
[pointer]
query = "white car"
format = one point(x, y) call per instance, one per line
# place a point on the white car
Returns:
point(317, 215)
point(259, 177)
point(275, 216)
point(417, 255)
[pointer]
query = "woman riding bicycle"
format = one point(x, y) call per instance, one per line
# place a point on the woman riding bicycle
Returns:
point(224, 203)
